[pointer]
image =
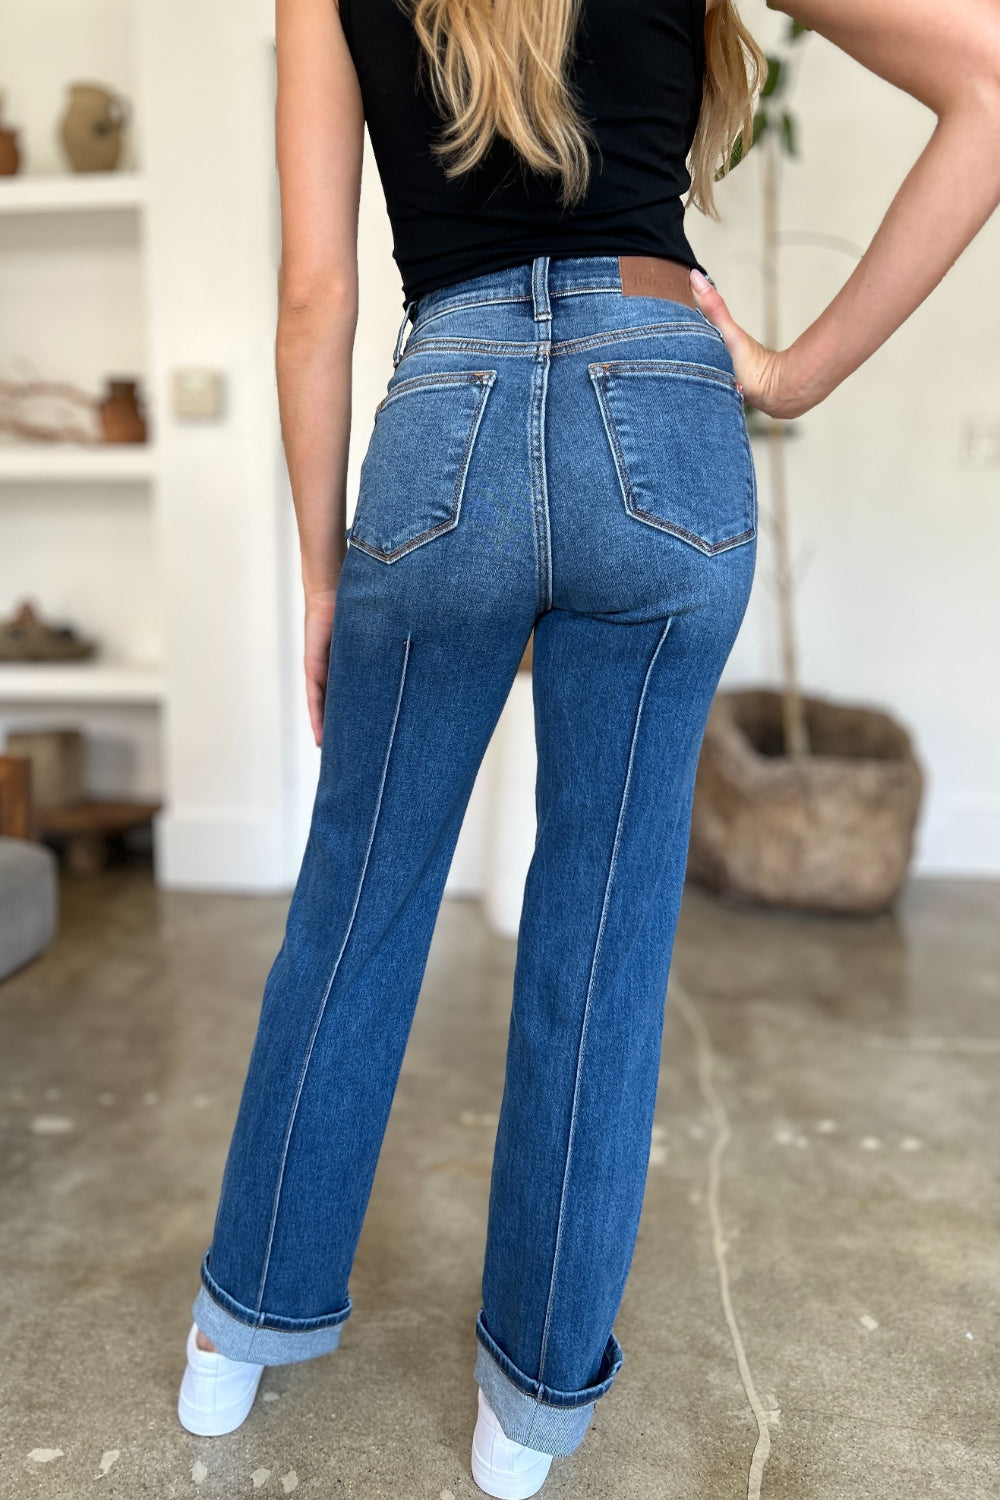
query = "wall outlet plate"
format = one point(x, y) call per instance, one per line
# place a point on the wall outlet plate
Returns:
point(980, 442)
point(198, 393)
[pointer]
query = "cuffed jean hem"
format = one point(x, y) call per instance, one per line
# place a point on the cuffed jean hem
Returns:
point(536, 1415)
point(239, 1333)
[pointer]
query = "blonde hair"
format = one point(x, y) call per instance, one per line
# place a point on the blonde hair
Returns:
point(500, 68)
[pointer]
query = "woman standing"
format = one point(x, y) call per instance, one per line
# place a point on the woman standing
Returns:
point(561, 449)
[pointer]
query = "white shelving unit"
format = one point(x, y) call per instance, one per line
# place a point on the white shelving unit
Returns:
point(98, 682)
point(78, 528)
point(66, 463)
point(56, 192)
point(74, 193)
point(104, 465)
point(178, 560)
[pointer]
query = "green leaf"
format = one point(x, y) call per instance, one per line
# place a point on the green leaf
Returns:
point(761, 123)
point(797, 29)
point(735, 156)
point(789, 134)
point(774, 72)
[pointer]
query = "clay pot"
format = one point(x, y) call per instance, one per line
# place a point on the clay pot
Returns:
point(829, 832)
point(10, 155)
point(91, 127)
point(122, 418)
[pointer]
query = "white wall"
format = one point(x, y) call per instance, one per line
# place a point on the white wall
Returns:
point(206, 72)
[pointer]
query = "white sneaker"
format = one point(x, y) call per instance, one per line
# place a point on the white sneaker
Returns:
point(216, 1393)
point(503, 1468)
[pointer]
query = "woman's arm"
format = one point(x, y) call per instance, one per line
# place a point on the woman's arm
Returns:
point(946, 53)
point(319, 131)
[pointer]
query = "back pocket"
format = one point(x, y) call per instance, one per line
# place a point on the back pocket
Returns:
point(679, 441)
point(413, 474)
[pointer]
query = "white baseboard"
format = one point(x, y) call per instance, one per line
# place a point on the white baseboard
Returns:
point(204, 849)
point(960, 836)
point(239, 850)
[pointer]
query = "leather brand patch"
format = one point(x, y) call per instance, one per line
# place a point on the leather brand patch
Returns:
point(651, 276)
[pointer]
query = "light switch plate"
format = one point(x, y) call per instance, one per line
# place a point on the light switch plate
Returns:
point(198, 393)
point(980, 442)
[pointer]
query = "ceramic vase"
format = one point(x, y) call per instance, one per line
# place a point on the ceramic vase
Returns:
point(91, 127)
point(10, 155)
point(121, 414)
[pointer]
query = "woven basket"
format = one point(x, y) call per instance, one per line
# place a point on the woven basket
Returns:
point(831, 831)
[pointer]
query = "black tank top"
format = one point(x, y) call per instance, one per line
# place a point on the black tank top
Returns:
point(637, 74)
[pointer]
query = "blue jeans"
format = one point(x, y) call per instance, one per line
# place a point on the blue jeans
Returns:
point(550, 455)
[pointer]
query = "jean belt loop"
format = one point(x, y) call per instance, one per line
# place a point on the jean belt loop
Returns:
point(541, 307)
point(401, 336)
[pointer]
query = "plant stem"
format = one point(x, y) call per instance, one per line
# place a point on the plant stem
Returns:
point(796, 735)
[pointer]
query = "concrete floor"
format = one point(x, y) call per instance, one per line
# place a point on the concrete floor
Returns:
point(813, 1307)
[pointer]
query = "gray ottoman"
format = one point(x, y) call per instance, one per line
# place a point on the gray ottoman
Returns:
point(28, 901)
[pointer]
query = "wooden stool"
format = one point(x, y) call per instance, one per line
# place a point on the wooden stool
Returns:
point(86, 830)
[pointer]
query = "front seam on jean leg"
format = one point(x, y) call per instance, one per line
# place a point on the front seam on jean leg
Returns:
point(588, 999)
point(326, 993)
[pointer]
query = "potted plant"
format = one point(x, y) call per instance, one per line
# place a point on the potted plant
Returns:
point(799, 801)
